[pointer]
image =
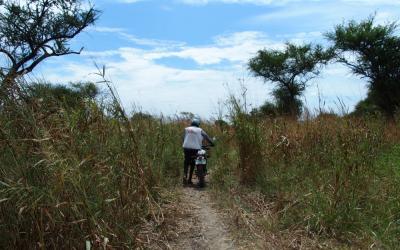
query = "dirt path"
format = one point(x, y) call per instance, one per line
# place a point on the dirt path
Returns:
point(203, 228)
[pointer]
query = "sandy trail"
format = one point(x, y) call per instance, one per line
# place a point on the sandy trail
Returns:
point(203, 228)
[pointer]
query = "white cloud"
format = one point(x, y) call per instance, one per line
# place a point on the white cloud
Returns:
point(143, 80)
point(130, 1)
point(158, 88)
point(234, 48)
point(384, 17)
point(139, 41)
point(255, 2)
point(105, 29)
point(374, 2)
point(283, 14)
point(323, 16)
point(139, 78)
point(302, 37)
point(273, 2)
point(336, 87)
point(285, 2)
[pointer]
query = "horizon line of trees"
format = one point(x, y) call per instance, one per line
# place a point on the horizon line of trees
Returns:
point(371, 51)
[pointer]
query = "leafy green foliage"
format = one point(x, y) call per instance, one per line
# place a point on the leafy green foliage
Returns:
point(268, 109)
point(33, 30)
point(372, 52)
point(70, 97)
point(366, 107)
point(290, 70)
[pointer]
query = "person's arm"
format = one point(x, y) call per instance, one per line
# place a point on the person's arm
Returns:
point(205, 136)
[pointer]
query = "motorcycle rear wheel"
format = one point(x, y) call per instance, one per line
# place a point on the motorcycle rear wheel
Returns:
point(200, 175)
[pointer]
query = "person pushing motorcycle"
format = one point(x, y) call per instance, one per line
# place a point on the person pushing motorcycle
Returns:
point(192, 142)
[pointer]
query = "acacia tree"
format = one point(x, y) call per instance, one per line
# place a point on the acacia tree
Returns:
point(33, 30)
point(372, 52)
point(290, 70)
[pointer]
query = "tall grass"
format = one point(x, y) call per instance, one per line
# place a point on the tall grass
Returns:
point(87, 173)
point(80, 170)
point(249, 141)
point(332, 177)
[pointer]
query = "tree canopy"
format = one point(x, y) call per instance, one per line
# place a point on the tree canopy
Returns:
point(372, 52)
point(291, 70)
point(33, 30)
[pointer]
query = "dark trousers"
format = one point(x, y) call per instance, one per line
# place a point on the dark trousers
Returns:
point(190, 156)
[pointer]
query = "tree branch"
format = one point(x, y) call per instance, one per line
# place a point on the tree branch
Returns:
point(33, 32)
point(44, 56)
point(35, 50)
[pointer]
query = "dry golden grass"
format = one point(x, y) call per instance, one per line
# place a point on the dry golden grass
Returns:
point(327, 181)
point(69, 175)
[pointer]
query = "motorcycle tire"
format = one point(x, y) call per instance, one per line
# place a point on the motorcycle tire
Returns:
point(200, 175)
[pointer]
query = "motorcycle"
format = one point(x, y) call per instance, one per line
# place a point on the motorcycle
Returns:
point(201, 165)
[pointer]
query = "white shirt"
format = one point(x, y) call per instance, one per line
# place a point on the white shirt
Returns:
point(193, 138)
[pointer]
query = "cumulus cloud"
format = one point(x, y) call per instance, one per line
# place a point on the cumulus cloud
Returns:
point(130, 1)
point(139, 41)
point(234, 48)
point(271, 2)
point(142, 79)
point(285, 2)
point(255, 2)
point(374, 2)
point(303, 15)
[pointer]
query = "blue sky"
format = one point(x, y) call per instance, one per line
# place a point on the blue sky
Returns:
point(187, 55)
